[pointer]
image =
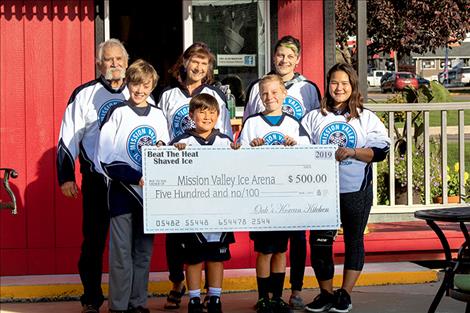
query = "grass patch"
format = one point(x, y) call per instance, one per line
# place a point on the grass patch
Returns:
point(453, 154)
point(435, 119)
point(452, 118)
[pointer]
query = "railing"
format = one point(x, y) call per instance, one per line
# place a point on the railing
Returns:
point(409, 108)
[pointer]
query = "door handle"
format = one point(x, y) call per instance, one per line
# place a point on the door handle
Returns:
point(9, 172)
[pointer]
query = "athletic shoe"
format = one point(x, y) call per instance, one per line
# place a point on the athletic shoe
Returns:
point(205, 302)
point(296, 303)
point(194, 305)
point(214, 305)
point(322, 302)
point(139, 309)
point(263, 306)
point(342, 302)
point(89, 308)
point(279, 306)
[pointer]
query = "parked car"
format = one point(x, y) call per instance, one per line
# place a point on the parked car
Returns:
point(398, 81)
point(373, 78)
point(465, 76)
point(385, 77)
point(422, 81)
point(459, 76)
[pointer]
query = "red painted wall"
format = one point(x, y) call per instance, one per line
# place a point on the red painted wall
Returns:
point(46, 50)
point(303, 19)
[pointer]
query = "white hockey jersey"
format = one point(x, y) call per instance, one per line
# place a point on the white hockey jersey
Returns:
point(216, 138)
point(125, 130)
point(367, 131)
point(303, 96)
point(258, 126)
point(86, 110)
point(175, 105)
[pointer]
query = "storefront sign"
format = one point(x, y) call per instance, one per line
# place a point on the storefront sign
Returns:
point(236, 60)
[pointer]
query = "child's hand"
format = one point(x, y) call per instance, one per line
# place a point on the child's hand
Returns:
point(235, 146)
point(344, 153)
point(289, 141)
point(180, 146)
point(141, 182)
point(257, 142)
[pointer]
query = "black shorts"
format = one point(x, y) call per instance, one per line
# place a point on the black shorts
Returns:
point(268, 242)
point(214, 252)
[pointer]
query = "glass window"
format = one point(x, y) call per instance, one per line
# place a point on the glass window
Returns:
point(236, 32)
point(428, 64)
point(442, 64)
point(405, 75)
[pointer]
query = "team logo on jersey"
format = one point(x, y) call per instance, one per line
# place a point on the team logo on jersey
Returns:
point(339, 133)
point(181, 121)
point(274, 138)
point(106, 107)
point(139, 137)
point(293, 107)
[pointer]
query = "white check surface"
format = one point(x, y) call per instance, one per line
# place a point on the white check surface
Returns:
point(207, 189)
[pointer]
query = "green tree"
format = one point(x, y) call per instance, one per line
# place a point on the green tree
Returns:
point(406, 26)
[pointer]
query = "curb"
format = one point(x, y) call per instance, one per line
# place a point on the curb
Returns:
point(68, 287)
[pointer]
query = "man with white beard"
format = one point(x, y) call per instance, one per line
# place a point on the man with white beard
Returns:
point(79, 133)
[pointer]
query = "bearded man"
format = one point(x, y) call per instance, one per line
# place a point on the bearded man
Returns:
point(79, 133)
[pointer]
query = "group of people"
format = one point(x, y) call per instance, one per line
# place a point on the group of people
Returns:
point(109, 119)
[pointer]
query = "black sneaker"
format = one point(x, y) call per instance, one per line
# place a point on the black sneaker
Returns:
point(205, 302)
point(139, 309)
point(214, 305)
point(279, 306)
point(89, 308)
point(342, 302)
point(263, 306)
point(322, 302)
point(194, 305)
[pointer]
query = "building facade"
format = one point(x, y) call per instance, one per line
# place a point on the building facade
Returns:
point(47, 48)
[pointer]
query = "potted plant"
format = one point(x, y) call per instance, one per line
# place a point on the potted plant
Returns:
point(453, 185)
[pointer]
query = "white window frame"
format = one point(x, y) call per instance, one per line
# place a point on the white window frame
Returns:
point(188, 30)
point(107, 27)
point(188, 33)
point(428, 60)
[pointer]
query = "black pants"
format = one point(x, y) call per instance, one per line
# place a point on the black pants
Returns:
point(355, 209)
point(95, 226)
point(174, 257)
point(297, 255)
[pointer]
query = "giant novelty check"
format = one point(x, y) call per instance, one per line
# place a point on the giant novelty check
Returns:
point(211, 189)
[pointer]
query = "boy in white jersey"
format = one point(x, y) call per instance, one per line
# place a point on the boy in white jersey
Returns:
point(127, 127)
point(209, 248)
point(193, 74)
point(271, 127)
point(302, 97)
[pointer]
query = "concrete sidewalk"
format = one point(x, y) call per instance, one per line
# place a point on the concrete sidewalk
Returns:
point(371, 299)
point(383, 288)
point(66, 287)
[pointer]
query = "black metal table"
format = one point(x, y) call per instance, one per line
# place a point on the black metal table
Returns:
point(459, 215)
